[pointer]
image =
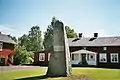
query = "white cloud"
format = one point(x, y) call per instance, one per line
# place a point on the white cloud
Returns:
point(9, 31)
point(6, 30)
point(16, 32)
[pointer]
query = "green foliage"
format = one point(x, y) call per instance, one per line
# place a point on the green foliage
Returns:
point(48, 38)
point(27, 45)
point(70, 32)
point(13, 38)
point(35, 39)
point(32, 41)
point(24, 40)
point(48, 35)
point(21, 55)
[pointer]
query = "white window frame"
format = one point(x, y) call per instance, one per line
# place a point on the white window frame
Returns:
point(105, 54)
point(104, 48)
point(111, 54)
point(1, 46)
point(41, 56)
point(84, 47)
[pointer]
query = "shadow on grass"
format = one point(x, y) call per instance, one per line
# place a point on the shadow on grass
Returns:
point(34, 78)
point(37, 77)
point(75, 77)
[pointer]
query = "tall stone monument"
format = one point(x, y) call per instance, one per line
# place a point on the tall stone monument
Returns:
point(59, 64)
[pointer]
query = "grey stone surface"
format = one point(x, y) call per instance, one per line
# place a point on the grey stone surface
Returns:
point(59, 64)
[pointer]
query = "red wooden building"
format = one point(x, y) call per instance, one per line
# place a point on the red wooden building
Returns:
point(90, 51)
point(6, 49)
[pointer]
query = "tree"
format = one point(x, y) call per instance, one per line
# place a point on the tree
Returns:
point(48, 38)
point(21, 55)
point(13, 38)
point(23, 40)
point(35, 39)
point(27, 44)
point(70, 32)
point(32, 41)
point(48, 35)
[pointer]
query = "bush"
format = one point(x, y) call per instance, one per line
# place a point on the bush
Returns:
point(21, 56)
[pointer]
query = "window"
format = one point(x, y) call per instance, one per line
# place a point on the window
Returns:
point(104, 48)
point(1, 45)
point(84, 47)
point(75, 57)
point(92, 57)
point(103, 57)
point(41, 56)
point(114, 57)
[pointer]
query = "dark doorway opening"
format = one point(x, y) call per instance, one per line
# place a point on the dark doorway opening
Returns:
point(84, 61)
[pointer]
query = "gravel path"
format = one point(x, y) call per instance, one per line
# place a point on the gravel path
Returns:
point(11, 68)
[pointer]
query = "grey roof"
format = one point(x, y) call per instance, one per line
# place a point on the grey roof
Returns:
point(100, 41)
point(6, 39)
point(82, 51)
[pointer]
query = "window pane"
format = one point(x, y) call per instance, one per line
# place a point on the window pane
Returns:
point(114, 57)
point(76, 57)
point(91, 56)
point(41, 57)
point(103, 57)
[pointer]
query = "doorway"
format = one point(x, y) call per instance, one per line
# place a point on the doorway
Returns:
point(84, 61)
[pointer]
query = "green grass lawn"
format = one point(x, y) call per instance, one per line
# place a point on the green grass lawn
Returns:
point(77, 73)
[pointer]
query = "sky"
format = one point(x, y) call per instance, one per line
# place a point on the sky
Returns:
point(84, 16)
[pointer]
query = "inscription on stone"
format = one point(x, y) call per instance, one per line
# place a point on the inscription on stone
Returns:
point(58, 48)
